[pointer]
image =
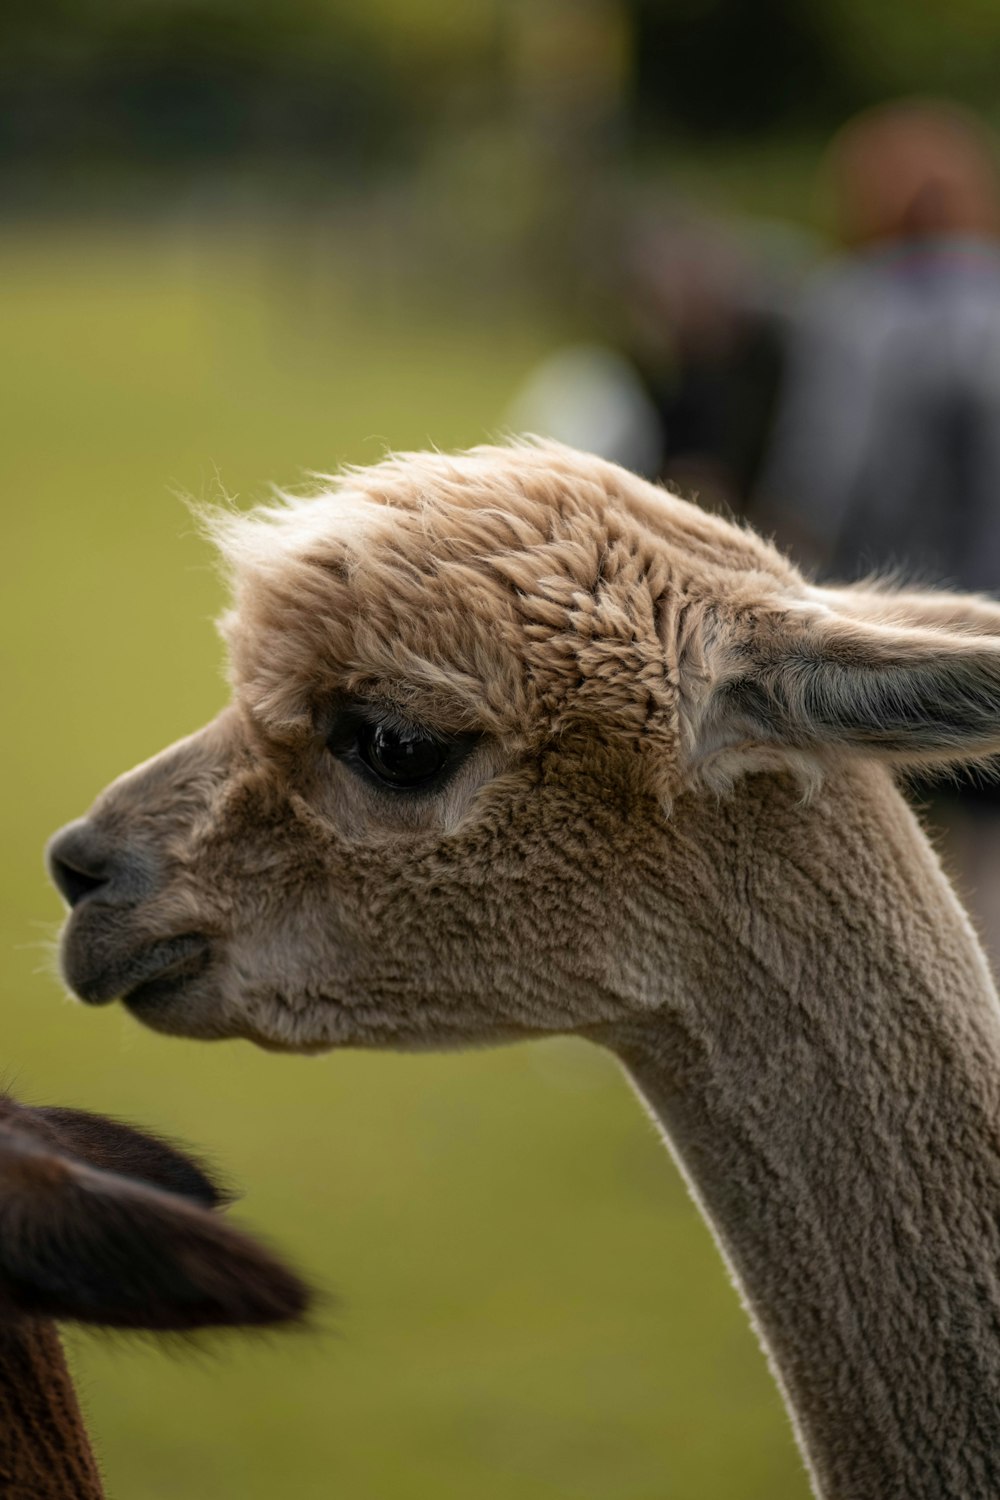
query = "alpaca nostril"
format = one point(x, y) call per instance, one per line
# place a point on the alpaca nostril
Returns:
point(85, 862)
point(77, 862)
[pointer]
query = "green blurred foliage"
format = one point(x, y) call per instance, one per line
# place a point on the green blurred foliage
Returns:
point(525, 1304)
point(362, 88)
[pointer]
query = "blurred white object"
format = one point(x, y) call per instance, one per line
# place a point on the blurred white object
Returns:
point(590, 397)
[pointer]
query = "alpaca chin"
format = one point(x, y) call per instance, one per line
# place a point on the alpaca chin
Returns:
point(181, 1004)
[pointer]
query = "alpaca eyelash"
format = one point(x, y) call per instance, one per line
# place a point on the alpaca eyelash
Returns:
point(393, 753)
point(355, 716)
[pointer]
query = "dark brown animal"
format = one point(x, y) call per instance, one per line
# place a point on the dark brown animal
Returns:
point(103, 1224)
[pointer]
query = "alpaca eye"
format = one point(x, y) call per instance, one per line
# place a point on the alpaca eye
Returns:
point(379, 745)
point(401, 756)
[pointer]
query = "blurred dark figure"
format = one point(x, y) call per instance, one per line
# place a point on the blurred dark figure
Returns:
point(681, 383)
point(886, 448)
point(703, 302)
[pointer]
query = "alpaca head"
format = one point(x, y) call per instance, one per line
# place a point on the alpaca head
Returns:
point(103, 1224)
point(467, 692)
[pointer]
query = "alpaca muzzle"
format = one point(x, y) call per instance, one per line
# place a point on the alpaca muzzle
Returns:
point(108, 949)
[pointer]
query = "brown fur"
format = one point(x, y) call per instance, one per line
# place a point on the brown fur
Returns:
point(666, 833)
point(104, 1225)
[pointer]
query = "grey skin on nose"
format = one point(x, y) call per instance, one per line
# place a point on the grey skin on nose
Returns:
point(84, 865)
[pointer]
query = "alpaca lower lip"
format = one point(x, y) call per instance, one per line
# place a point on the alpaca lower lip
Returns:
point(102, 961)
point(169, 979)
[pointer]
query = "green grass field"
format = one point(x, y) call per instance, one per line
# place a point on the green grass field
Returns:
point(526, 1305)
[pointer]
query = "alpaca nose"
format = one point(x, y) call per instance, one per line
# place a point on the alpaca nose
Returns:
point(78, 862)
point(83, 863)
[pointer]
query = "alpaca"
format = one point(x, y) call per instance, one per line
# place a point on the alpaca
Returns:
point(521, 745)
point(104, 1225)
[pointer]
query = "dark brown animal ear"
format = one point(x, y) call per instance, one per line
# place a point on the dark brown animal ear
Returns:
point(822, 678)
point(80, 1243)
point(115, 1147)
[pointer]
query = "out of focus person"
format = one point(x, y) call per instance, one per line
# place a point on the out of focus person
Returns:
point(886, 446)
point(681, 383)
point(703, 303)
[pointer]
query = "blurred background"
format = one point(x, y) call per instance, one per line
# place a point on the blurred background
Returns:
point(748, 249)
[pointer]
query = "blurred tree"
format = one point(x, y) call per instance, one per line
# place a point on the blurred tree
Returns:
point(723, 67)
point(339, 83)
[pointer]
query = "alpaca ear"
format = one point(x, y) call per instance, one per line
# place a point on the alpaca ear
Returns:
point(933, 609)
point(95, 1247)
point(875, 675)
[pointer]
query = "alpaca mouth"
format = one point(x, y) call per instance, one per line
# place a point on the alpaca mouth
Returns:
point(102, 962)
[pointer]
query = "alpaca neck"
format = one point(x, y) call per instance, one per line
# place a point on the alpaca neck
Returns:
point(44, 1449)
point(827, 1071)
